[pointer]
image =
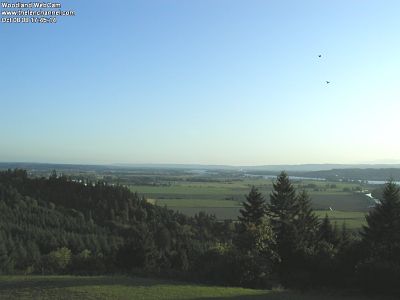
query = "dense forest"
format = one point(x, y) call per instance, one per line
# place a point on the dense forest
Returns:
point(58, 225)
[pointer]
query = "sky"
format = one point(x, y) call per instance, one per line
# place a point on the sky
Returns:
point(205, 82)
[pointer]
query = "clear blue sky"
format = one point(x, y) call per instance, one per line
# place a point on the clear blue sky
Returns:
point(212, 82)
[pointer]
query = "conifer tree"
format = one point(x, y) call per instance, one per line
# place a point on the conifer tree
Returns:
point(283, 209)
point(253, 208)
point(325, 232)
point(4, 259)
point(382, 232)
point(307, 222)
point(283, 205)
point(255, 242)
point(345, 238)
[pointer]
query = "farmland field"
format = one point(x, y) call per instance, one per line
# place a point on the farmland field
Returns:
point(342, 201)
point(122, 287)
point(353, 219)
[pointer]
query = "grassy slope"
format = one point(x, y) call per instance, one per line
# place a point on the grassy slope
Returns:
point(119, 287)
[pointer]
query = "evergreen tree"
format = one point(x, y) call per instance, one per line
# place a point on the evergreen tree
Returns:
point(283, 205)
point(325, 231)
point(256, 253)
point(345, 238)
point(307, 222)
point(4, 259)
point(254, 207)
point(382, 233)
point(283, 210)
point(255, 244)
point(380, 268)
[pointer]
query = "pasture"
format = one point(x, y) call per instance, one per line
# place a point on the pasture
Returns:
point(342, 201)
point(124, 288)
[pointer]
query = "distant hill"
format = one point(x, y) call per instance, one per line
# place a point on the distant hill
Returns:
point(379, 172)
point(318, 167)
point(369, 174)
point(177, 166)
point(124, 166)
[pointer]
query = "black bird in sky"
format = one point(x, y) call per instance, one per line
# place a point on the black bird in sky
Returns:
point(327, 82)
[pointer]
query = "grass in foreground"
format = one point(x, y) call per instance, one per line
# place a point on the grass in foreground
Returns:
point(121, 287)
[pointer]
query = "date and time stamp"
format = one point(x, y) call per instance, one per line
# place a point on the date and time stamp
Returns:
point(33, 12)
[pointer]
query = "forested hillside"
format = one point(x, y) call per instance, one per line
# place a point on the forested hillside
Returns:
point(108, 227)
point(57, 225)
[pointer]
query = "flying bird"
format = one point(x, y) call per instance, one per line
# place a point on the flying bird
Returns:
point(320, 56)
point(327, 82)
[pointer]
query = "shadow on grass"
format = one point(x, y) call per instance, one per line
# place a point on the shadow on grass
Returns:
point(293, 295)
point(46, 284)
point(50, 282)
point(271, 295)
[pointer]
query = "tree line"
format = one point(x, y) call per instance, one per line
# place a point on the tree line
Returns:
point(55, 225)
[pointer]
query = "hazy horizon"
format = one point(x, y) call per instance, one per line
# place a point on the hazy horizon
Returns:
point(122, 164)
point(206, 82)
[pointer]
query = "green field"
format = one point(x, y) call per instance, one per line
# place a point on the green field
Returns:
point(197, 203)
point(122, 287)
point(353, 219)
point(191, 194)
point(223, 198)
